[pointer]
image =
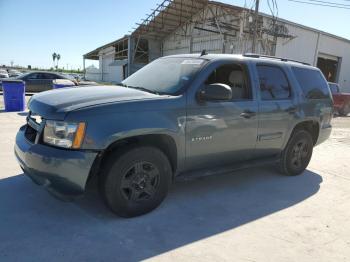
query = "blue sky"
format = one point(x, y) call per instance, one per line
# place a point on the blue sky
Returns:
point(31, 30)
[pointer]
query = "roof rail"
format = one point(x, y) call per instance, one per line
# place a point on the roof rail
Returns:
point(274, 57)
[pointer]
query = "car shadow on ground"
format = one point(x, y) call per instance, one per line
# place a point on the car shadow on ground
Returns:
point(35, 225)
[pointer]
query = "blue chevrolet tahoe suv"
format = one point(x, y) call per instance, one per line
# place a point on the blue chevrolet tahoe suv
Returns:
point(178, 117)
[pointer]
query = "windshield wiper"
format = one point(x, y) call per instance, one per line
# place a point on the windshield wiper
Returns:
point(143, 89)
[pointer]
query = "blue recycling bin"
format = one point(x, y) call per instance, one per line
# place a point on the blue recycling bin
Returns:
point(14, 95)
point(61, 83)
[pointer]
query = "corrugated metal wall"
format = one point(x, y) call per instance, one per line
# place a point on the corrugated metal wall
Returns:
point(301, 48)
point(308, 45)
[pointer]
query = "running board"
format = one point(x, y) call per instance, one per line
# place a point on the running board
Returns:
point(192, 175)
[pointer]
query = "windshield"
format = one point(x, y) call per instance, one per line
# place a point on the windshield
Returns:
point(165, 75)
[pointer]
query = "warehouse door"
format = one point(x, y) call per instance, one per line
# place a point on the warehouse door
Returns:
point(329, 66)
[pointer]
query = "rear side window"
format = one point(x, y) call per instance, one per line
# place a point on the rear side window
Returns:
point(48, 76)
point(273, 83)
point(312, 83)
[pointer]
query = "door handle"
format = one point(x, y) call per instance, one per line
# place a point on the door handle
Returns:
point(247, 114)
point(291, 110)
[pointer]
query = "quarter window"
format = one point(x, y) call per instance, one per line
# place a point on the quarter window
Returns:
point(273, 83)
point(312, 83)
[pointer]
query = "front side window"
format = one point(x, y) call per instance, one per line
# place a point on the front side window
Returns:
point(33, 76)
point(165, 75)
point(235, 76)
point(273, 83)
point(312, 82)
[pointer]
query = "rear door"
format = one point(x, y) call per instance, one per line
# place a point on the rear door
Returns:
point(277, 109)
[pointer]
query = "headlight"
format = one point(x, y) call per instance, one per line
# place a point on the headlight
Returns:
point(63, 134)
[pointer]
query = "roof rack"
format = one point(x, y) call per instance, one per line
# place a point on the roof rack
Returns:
point(274, 57)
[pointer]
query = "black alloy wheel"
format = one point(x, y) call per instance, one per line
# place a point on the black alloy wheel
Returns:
point(140, 182)
point(297, 154)
point(135, 180)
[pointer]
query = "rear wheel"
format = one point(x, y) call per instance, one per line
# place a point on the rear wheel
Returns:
point(297, 154)
point(136, 182)
point(345, 110)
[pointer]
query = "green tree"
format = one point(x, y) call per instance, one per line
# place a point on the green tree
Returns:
point(54, 56)
point(58, 57)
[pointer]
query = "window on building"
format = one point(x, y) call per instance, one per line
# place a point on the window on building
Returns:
point(273, 83)
point(329, 68)
point(235, 77)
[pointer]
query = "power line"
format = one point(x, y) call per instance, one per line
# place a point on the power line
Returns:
point(319, 4)
point(255, 31)
point(331, 3)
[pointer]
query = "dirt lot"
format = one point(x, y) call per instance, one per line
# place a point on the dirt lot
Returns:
point(251, 215)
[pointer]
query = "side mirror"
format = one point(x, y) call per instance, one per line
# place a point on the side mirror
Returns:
point(215, 92)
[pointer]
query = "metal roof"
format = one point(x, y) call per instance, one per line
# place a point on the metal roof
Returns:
point(167, 17)
point(93, 55)
point(171, 14)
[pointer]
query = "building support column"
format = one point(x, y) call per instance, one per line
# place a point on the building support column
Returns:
point(130, 56)
point(84, 71)
point(316, 49)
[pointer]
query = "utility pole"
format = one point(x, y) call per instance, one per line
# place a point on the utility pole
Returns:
point(256, 19)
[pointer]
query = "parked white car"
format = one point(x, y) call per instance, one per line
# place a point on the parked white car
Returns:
point(3, 73)
point(14, 73)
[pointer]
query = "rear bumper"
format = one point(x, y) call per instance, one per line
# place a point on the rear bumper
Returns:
point(63, 172)
point(325, 133)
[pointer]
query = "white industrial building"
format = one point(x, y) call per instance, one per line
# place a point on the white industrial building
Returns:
point(190, 26)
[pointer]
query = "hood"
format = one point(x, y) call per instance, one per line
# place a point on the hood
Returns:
point(54, 104)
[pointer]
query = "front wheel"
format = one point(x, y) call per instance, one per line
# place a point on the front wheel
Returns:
point(136, 181)
point(297, 154)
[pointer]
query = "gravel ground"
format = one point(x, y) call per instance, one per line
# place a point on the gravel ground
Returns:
point(251, 215)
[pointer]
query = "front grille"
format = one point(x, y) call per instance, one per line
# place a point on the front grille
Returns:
point(30, 133)
point(34, 127)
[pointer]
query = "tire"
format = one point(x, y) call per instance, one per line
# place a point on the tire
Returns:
point(297, 155)
point(136, 181)
point(345, 110)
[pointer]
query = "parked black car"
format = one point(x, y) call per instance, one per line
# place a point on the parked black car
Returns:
point(41, 81)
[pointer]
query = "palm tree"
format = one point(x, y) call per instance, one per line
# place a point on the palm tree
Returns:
point(54, 56)
point(58, 57)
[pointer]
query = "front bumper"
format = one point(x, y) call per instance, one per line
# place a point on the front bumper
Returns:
point(63, 172)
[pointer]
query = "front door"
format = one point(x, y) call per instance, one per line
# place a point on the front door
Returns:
point(33, 82)
point(221, 133)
